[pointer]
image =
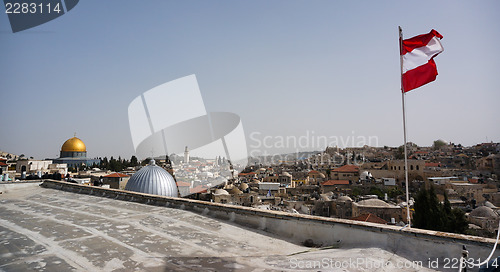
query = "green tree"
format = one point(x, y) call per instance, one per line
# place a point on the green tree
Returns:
point(104, 163)
point(133, 161)
point(438, 144)
point(356, 191)
point(400, 153)
point(328, 172)
point(115, 165)
point(376, 191)
point(460, 222)
point(394, 192)
point(432, 215)
point(146, 161)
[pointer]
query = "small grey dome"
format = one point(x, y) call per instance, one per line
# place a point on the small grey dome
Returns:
point(490, 205)
point(152, 179)
point(344, 199)
point(373, 203)
point(221, 192)
point(483, 211)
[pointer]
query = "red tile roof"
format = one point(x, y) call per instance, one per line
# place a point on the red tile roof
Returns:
point(198, 189)
point(183, 184)
point(473, 180)
point(335, 182)
point(432, 164)
point(2, 163)
point(368, 217)
point(347, 169)
point(246, 174)
point(116, 175)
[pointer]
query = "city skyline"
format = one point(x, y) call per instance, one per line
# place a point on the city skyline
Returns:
point(286, 68)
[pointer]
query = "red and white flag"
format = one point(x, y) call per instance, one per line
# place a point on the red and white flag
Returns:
point(418, 54)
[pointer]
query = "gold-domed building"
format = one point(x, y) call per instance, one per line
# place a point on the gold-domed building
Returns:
point(74, 154)
point(73, 148)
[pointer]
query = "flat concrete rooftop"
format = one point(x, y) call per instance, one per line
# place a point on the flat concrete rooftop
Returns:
point(51, 230)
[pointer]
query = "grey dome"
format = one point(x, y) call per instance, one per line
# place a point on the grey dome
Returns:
point(490, 205)
point(152, 179)
point(483, 211)
point(373, 203)
point(344, 199)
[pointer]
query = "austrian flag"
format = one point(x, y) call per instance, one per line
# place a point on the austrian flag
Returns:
point(418, 66)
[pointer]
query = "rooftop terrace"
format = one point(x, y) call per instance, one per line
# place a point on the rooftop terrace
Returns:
point(53, 230)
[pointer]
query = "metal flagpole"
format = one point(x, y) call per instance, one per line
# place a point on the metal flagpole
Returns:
point(404, 126)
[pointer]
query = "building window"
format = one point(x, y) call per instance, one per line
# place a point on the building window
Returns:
point(417, 168)
point(411, 167)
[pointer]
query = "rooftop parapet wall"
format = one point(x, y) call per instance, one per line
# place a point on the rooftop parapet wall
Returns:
point(415, 244)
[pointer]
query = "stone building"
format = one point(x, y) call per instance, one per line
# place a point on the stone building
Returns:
point(347, 172)
point(116, 180)
point(484, 217)
point(379, 208)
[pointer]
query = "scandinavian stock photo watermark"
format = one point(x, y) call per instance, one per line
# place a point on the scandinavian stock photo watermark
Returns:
point(354, 263)
point(281, 146)
point(366, 263)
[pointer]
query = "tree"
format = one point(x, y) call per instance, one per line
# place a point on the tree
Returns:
point(133, 161)
point(104, 163)
point(328, 173)
point(432, 215)
point(376, 191)
point(400, 153)
point(356, 191)
point(438, 144)
point(394, 192)
point(115, 165)
point(146, 161)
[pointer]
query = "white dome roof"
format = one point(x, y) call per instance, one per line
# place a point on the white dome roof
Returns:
point(365, 175)
point(152, 179)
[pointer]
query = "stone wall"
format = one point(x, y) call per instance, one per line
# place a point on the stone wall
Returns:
point(414, 244)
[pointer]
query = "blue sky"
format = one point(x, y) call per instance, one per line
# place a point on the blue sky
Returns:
point(287, 68)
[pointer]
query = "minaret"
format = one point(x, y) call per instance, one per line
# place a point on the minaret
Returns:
point(186, 155)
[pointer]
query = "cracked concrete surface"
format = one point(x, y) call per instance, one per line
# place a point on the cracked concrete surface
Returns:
point(51, 230)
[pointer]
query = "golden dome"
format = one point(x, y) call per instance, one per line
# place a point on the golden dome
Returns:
point(74, 145)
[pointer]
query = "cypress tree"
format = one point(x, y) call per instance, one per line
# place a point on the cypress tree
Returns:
point(432, 215)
